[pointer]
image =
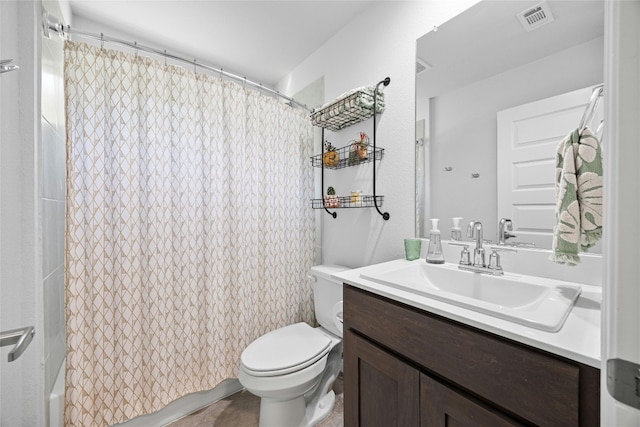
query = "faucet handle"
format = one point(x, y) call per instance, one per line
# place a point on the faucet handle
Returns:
point(494, 261)
point(494, 258)
point(506, 235)
point(465, 256)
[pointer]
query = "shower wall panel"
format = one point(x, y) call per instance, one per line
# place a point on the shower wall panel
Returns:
point(52, 185)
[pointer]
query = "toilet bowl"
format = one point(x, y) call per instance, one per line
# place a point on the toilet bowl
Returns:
point(293, 368)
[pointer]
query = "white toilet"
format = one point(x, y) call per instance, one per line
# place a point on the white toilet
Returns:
point(293, 368)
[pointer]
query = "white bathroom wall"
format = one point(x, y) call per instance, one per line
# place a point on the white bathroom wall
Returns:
point(463, 129)
point(380, 42)
point(53, 195)
point(312, 96)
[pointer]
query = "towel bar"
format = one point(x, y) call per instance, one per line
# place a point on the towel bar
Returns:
point(20, 337)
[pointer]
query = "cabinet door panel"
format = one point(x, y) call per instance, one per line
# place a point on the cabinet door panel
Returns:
point(441, 406)
point(380, 390)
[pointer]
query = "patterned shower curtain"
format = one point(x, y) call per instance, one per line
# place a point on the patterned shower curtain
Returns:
point(189, 231)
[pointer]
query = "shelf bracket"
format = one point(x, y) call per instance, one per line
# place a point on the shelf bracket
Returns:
point(386, 81)
point(333, 214)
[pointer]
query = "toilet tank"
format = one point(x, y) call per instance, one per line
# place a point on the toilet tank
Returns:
point(327, 292)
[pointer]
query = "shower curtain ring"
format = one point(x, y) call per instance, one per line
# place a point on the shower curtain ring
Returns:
point(135, 45)
point(165, 57)
point(101, 41)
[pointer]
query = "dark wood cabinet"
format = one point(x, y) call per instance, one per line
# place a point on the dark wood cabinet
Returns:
point(442, 406)
point(386, 391)
point(407, 367)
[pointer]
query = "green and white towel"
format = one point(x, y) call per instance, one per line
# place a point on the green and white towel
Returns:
point(578, 196)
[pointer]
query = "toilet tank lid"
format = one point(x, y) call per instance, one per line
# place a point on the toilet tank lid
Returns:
point(325, 271)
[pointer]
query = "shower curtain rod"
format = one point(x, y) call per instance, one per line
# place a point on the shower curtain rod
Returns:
point(52, 23)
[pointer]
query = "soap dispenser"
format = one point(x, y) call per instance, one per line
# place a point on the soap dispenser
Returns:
point(456, 232)
point(434, 252)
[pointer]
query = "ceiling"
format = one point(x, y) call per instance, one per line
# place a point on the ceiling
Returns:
point(260, 39)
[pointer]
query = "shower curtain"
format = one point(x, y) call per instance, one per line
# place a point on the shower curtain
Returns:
point(188, 230)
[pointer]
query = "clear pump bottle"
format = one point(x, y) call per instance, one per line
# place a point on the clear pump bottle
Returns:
point(434, 252)
point(456, 232)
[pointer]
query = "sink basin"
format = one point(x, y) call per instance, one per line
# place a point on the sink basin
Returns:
point(532, 301)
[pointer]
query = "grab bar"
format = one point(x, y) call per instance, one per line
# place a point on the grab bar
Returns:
point(20, 337)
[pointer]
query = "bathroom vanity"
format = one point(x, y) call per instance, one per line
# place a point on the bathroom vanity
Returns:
point(415, 362)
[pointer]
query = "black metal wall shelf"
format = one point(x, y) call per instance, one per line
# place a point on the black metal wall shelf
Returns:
point(350, 202)
point(348, 156)
point(351, 109)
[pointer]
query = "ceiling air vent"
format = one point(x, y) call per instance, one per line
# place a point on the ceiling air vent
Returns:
point(535, 17)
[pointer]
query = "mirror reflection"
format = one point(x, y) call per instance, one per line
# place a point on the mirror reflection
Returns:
point(495, 95)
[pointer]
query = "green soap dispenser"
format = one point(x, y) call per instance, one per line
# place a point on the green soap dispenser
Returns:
point(434, 252)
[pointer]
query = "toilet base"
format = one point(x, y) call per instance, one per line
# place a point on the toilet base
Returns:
point(278, 413)
point(318, 412)
point(294, 413)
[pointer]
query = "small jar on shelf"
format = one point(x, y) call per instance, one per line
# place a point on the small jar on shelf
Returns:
point(331, 200)
point(356, 198)
point(331, 157)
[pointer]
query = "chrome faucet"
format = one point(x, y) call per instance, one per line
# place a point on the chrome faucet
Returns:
point(504, 227)
point(494, 268)
point(474, 231)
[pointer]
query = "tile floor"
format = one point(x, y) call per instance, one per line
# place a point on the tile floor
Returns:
point(242, 409)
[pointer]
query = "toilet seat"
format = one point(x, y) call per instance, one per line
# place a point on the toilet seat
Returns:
point(285, 350)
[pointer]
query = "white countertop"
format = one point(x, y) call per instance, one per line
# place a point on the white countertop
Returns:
point(578, 339)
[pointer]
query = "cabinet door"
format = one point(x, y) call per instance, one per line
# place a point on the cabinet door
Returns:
point(441, 406)
point(380, 390)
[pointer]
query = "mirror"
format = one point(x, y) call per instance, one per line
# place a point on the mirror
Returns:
point(476, 65)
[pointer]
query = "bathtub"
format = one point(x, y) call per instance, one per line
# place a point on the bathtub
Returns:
point(175, 410)
point(56, 399)
point(186, 405)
